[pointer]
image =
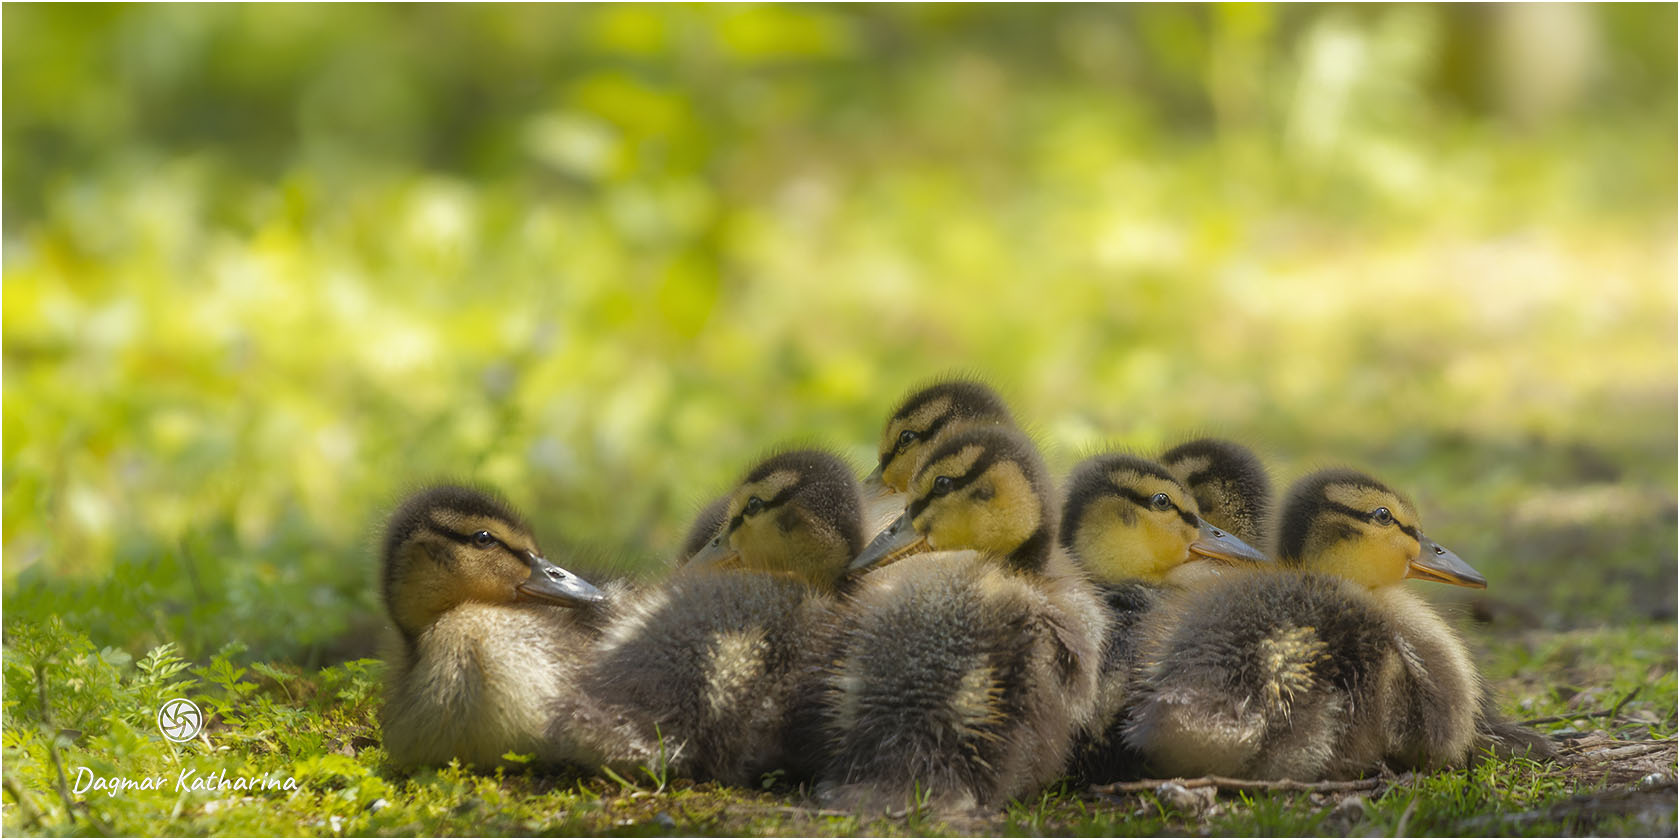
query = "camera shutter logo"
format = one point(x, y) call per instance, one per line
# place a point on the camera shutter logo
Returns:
point(180, 719)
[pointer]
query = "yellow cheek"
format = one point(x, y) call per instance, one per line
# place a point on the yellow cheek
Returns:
point(1143, 551)
point(493, 582)
point(1370, 563)
point(951, 529)
point(1338, 560)
point(1171, 543)
point(765, 547)
point(811, 558)
point(1398, 559)
point(897, 474)
point(1164, 546)
point(789, 557)
point(747, 544)
point(1115, 555)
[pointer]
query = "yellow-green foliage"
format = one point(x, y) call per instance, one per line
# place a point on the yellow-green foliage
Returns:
point(266, 268)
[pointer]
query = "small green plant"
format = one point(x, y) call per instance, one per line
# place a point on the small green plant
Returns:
point(916, 816)
point(623, 783)
point(659, 772)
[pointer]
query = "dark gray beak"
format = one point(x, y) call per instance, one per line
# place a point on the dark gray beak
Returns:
point(1435, 562)
point(555, 585)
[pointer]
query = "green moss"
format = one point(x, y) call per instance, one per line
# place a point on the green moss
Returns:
point(70, 706)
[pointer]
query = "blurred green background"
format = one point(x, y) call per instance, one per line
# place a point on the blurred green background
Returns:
point(268, 267)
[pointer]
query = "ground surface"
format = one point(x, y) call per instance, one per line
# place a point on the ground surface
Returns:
point(1607, 698)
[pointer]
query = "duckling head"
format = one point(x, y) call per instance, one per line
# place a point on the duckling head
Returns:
point(922, 418)
point(1229, 484)
point(982, 488)
point(1128, 518)
point(1346, 523)
point(448, 545)
point(796, 513)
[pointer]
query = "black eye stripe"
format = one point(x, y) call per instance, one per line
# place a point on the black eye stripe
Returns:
point(978, 468)
point(469, 539)
point(1146, 501)
point(455, 535)
point(781, 497)
point(1365, 516)
point(932, 429)
point(900, 444)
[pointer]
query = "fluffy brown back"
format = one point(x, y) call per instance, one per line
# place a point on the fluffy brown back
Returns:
point(1265, 676)
point(959, 680)
point(703, 673)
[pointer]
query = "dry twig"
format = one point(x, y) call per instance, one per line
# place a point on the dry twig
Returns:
point(1609, 713)
point(795, 810)
point(1598, 747)
point(1225, 783)
point(1633, 751)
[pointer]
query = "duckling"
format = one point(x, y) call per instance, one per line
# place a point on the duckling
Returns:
point(915, 426)
point(492, 633)
point(1319, 673)
point(709, 672)
point(1230, 484)
point(962, 672)
point(1134, 528)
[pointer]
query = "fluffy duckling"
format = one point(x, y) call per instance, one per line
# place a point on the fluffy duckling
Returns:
point(914, 427)
point(962, 672)
point(1134, 528)
point(492, 634)
point(710, 672)
point(1322, 673)
point(1230, 484)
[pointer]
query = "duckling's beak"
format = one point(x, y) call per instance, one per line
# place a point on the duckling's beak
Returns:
point(1216, 544)
point(1435, 562)
point(881, 504)
point(553, 584)
point(874, 489)
point(899, 540)
point(873, 481)
point(718, 554)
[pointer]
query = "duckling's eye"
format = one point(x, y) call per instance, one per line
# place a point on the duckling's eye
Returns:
point(942, 485)
point(483, 539)
point(1160, 502)
point(1381, 516)
point(905, 438)
point(754, 505)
